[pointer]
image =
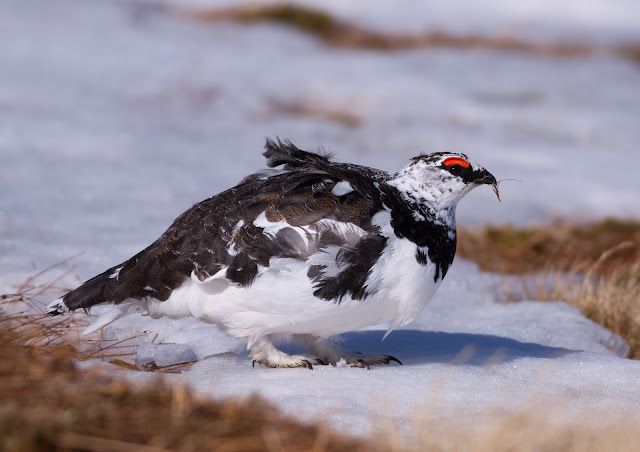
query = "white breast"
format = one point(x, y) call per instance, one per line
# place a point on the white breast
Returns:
point(402, 280)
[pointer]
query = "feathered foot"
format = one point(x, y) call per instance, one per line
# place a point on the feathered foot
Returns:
point(265, 353)
point(297, 361)
point(332, 354)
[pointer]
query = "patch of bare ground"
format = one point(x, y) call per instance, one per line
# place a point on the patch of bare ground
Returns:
point(594, 266)
point(629, 51)
point(305, 109)
point(340, 33)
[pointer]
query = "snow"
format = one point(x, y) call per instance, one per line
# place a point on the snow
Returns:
point(114, 118)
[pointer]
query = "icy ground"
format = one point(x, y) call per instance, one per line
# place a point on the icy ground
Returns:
point(115, 116)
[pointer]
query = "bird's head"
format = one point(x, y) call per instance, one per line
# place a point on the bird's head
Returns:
point(441, 179)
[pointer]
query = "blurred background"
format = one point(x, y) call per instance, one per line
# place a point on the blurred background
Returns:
point(117, 115)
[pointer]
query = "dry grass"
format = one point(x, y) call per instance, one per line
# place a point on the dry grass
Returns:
point(563, 246)
point(306, 109)
point(595, 267)
point(527, 428)
point(50, 405)
point(23, 324)
point(629, 51)
point(612, 301)
point(339, 33)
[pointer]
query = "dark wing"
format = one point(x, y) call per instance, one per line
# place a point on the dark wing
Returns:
point(225, 233)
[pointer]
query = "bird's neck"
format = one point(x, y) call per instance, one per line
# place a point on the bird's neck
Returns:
point(426, 199)
point(431, 226)
point(416, 216)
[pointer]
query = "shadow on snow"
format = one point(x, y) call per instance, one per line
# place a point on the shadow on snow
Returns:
point(423, 347)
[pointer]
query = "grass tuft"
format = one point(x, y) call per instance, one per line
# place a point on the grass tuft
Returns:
point(306, 109)
point(594, 267)
point(340, 33)
point(612, 301)
point(302, 18)
point(529, 427)
point(629, 51)
point(48, 404)
point(560, 247)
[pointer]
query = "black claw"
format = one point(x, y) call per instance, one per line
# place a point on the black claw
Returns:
point(393, 358)
point(307, 364)
point(253, 363)
point(321, 362)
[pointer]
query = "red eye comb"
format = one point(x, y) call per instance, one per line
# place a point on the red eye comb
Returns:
point(455, 161)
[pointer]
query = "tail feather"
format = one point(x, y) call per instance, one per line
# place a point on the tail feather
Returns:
point(89, 294)
point(94, 292)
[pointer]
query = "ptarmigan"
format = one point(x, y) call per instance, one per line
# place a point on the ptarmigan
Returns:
point(304, 253)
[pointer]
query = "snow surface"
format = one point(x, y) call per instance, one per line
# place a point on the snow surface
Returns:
point(115, 116)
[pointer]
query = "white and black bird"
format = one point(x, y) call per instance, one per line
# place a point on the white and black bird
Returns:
point(302, 253)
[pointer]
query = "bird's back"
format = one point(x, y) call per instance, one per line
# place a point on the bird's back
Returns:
point(309, 205)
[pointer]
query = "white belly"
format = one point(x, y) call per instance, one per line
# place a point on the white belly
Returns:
point(281, 298)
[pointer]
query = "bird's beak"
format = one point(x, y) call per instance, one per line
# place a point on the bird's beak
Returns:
point(485, 177)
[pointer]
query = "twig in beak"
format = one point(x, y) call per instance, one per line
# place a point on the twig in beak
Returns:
point(495, 187)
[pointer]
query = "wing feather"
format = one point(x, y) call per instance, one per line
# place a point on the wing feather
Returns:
point(304, 218)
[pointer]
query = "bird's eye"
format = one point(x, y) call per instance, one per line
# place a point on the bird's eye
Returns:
point(456, 170)
point(455, 165)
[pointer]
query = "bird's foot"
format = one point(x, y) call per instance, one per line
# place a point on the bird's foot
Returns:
point(263, 352)
point(366, 362)
point(322, 353)
point(292, 362)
